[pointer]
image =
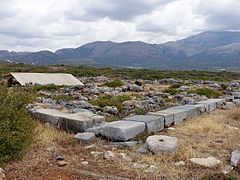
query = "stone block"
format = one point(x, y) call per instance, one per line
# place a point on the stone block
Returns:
point(152, 123)
point(85, 137)
point(72, 122)
point(122, 130)
point(168, 117)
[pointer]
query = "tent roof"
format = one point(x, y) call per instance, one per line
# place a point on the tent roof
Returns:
point(58, 79)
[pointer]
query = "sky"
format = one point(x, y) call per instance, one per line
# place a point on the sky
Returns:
point(32, 25)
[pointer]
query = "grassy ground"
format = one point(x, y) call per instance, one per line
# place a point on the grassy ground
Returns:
point(214, 134)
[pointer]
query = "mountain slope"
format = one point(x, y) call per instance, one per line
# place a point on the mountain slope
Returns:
point(204, 50)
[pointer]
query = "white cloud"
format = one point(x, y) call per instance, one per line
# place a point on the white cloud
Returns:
point(52, 24)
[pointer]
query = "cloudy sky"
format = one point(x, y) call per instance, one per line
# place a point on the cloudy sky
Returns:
point(30, 25)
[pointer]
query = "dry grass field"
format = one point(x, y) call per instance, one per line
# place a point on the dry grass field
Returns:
point(216, 134)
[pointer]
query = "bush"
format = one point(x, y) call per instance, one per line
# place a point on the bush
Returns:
point(114, 83)
point(16, 127)
point(109, 100)
point(171, 90)
point(49, 87)
point(210, 93)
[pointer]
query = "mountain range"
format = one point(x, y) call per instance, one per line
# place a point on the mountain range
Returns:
point(207, 50)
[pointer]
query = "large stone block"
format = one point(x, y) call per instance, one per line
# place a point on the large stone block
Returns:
point(152, 123)
point(122, 130)
point(76, 122)
point(190, 110)
point(168, 117)
point(179, 114)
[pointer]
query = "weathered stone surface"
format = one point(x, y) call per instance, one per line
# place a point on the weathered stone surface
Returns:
point(127, 144)
point(236, 95)
point(168, 117)
point(85, 137)
point(179, 114)
point(190, 110)
point(152, 123)
point(143, 149)
point(77, 122)
point(109, 155)
point(206, 162)
point(122, 130)
point(162, 144)
point(236, 102)
point(229, 105)
point(209, 104)
point(235, 158)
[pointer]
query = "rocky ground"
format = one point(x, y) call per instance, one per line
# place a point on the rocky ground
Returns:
point(209, 135)
point(200, 147)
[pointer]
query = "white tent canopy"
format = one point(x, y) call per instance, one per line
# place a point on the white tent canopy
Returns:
point(58, 79)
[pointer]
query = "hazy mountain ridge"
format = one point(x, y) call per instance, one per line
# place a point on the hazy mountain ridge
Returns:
point(204, 50)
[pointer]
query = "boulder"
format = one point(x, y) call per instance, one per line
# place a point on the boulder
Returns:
point(235, 158)
point(86, 137)
point(152, 123)
point(122, 130)
point(206, 162)
point(160, 144)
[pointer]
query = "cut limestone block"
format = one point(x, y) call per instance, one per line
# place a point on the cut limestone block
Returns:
point(168, 117)
point(191, 110)
point(77, 122)
point(178, 114)
point(52, 116)
point(152, 123)
point(212, 104)
point(122, 130)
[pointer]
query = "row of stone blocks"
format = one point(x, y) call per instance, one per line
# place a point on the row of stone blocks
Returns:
point(132, 126)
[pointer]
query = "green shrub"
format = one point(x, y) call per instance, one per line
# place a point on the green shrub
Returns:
point(16, 127)
point(114, 83)
point(49, 87)
point(210, 93)
point(171, 90)
point(109, 100)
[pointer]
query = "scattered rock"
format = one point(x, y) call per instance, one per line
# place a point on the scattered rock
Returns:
point(140, 166)
point(84, 162)
point(126, 144)
point(58, 158)
point(61, 163)
point(96, 154)
point(110, 109)
point(235, 158)
point(227, 169)
point(86, 137)
point(143, 149)
point(162, 144)
point(206, 162)
point(150, 169)
point(180, 163)
point(109, 155)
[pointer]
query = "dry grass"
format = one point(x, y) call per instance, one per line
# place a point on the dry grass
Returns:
point(214, 134)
